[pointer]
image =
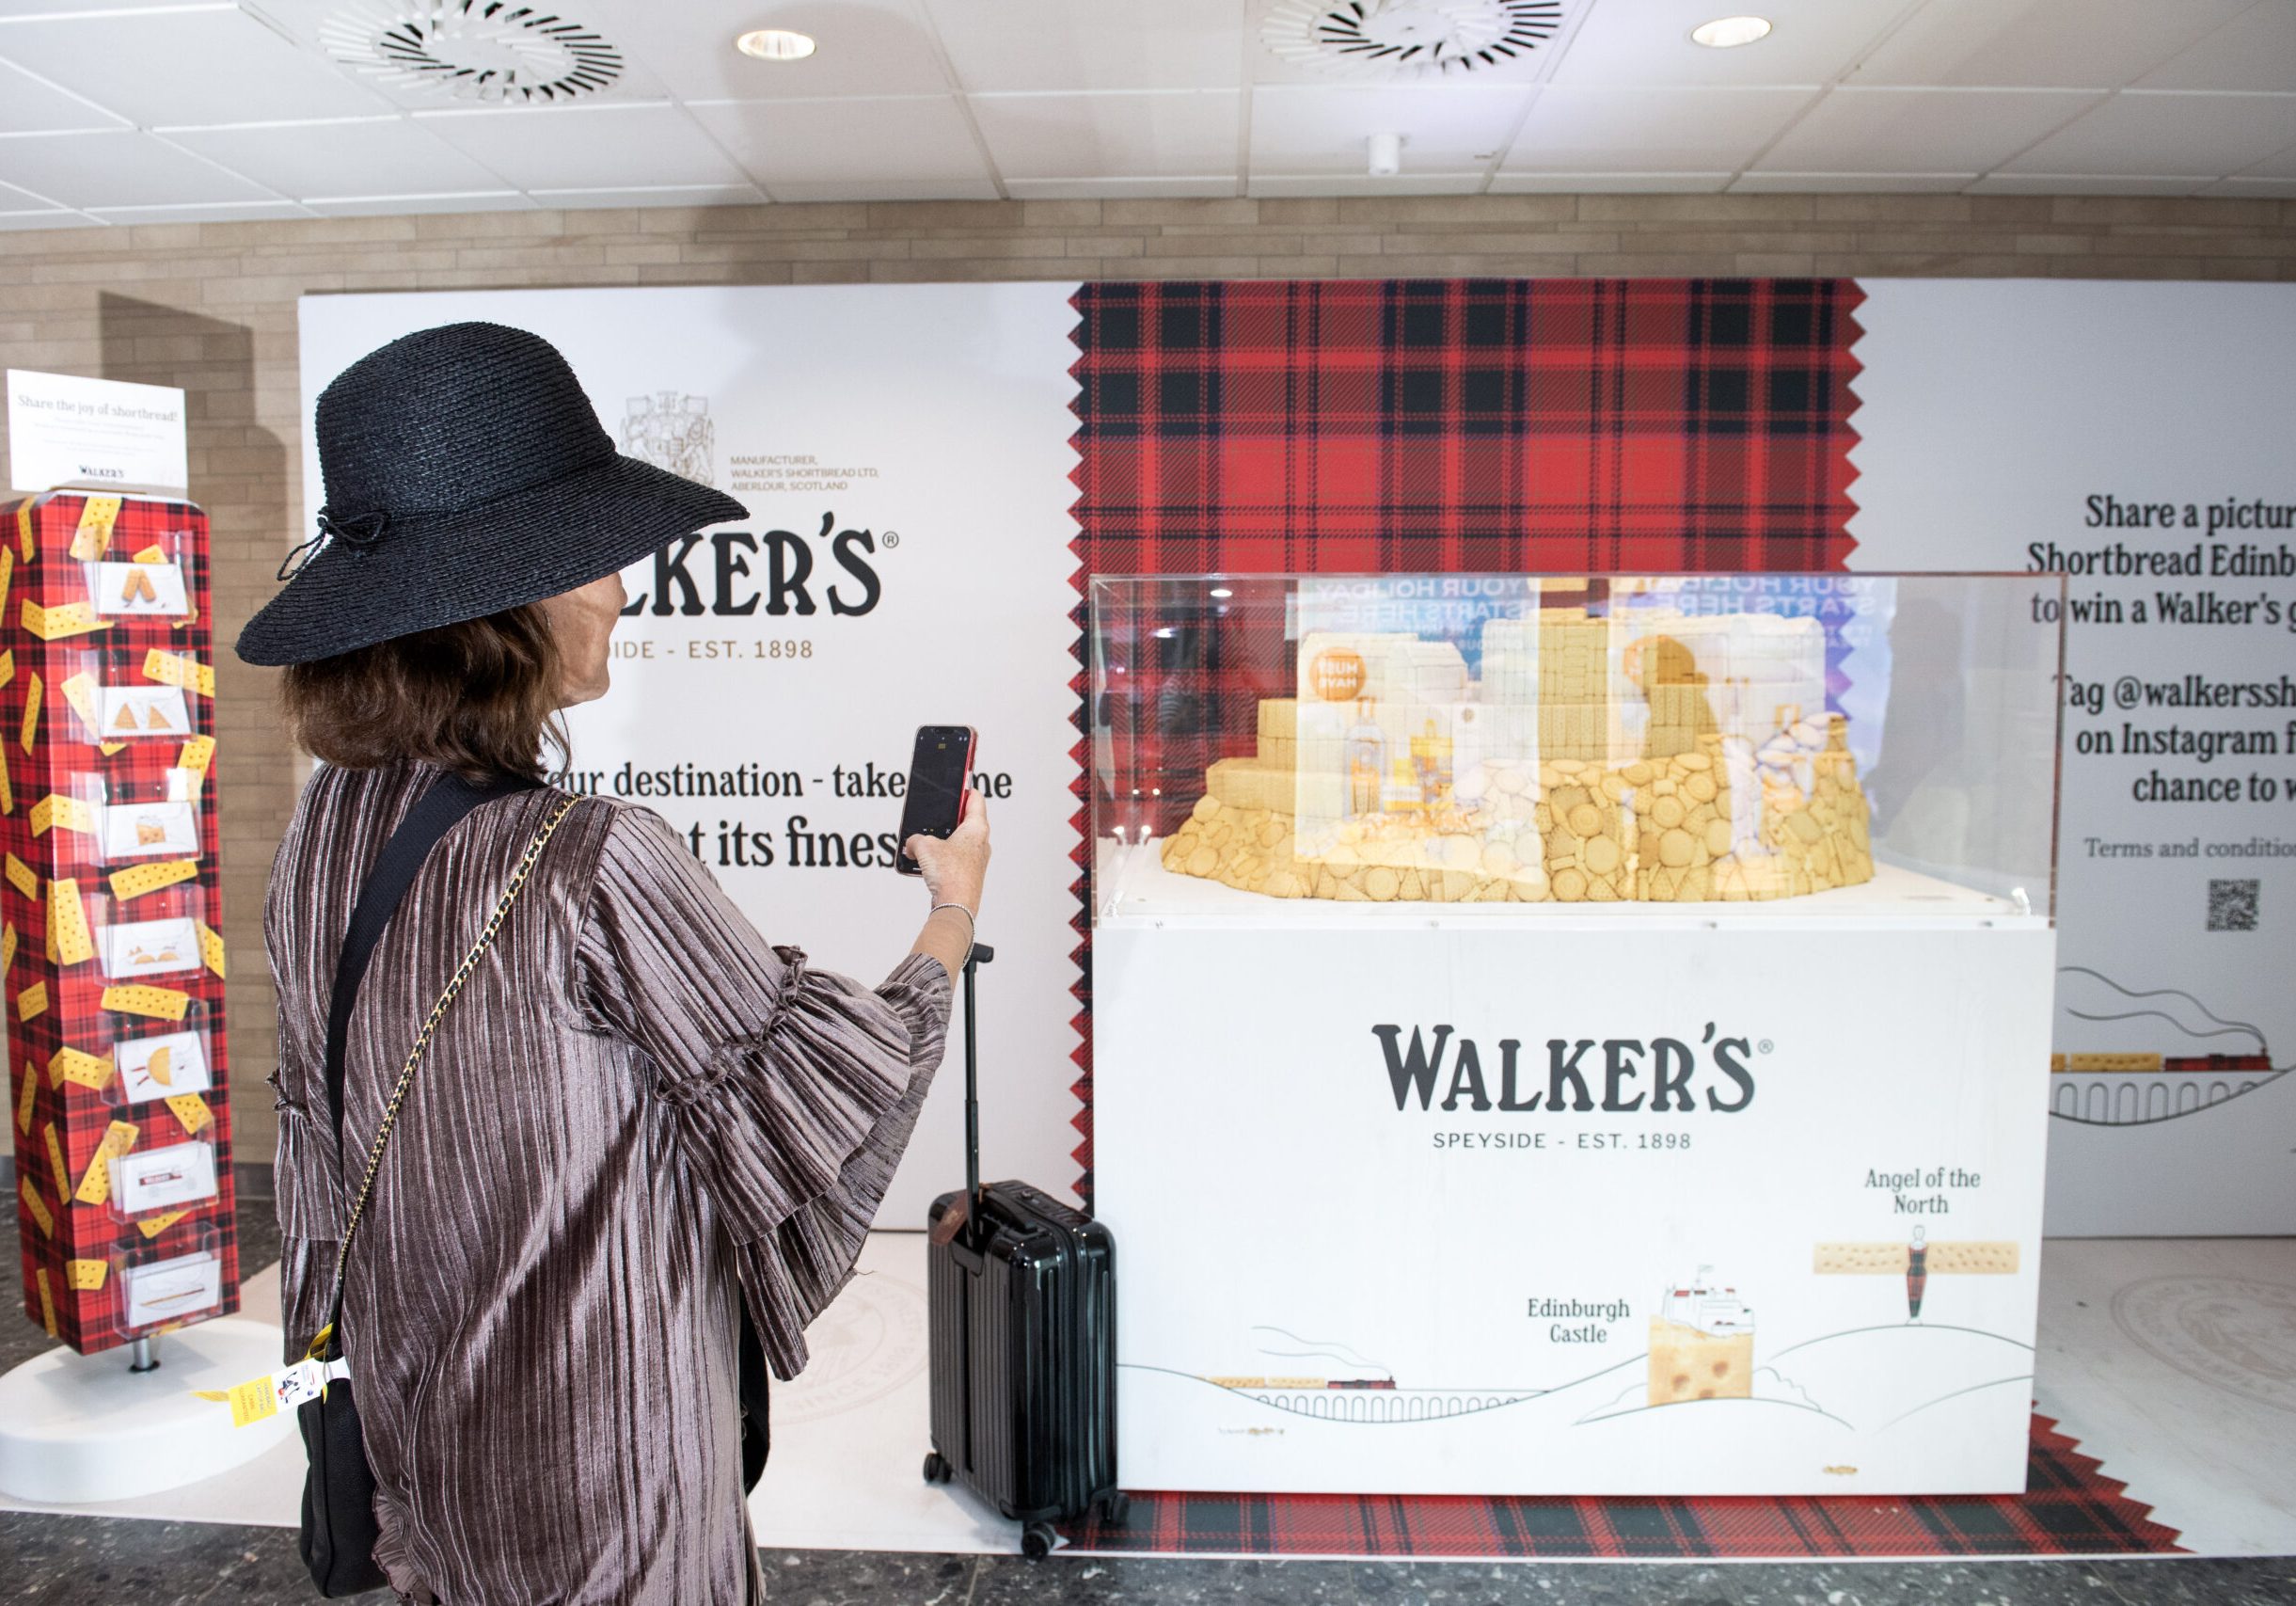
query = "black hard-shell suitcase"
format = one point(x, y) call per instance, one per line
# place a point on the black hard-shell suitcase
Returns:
point(1021, 1290)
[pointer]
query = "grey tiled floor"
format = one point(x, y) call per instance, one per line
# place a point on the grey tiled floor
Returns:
point(82, 1561)
point(79, 1561)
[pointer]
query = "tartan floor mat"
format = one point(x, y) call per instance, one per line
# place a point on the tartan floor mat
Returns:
point(2070, 1508)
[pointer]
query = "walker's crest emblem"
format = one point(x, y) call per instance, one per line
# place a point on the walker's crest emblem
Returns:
point(673, 432)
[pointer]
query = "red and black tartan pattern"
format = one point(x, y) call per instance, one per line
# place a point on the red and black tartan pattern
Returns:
point(1428, 426)
point(92, 1320)
point(2070, 1508)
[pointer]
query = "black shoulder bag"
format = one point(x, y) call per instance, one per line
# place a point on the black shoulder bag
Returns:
point(339, 1526)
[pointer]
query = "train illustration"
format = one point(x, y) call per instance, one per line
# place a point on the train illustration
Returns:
point(2065, 1065)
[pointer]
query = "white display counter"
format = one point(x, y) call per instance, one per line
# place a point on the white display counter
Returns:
point(1349, 1266)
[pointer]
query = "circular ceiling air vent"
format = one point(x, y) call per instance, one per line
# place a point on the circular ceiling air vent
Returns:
point(474, 50)
point(1408, 39)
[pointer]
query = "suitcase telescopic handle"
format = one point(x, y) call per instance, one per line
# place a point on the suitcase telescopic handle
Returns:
point(982, 953)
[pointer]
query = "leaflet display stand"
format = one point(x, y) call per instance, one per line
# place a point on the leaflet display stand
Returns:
point(114, 993)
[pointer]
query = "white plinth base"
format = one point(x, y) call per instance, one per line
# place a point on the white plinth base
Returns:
point(79, 1428)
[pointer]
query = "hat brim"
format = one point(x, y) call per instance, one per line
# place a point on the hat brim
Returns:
point(425, 570)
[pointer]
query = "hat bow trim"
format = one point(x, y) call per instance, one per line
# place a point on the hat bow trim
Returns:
point(359, 531)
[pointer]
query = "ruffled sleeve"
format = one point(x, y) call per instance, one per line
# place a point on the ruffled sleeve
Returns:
point(795, 1089)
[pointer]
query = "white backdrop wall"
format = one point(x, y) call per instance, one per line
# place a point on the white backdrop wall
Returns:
point(936, 418)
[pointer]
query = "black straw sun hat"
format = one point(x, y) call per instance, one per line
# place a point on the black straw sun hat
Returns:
point(466, 473)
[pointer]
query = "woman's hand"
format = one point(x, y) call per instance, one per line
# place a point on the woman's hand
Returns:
point(955, 866)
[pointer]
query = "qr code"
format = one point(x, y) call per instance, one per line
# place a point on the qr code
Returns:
point(2232, 906)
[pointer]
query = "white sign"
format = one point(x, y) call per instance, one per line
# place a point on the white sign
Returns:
point(2135, 435)
point(1541, 1206)
point(904, 459)
point(136, 949)
point(169, 1290)
point(104, 434)
point(157, 1179)
point(163, 1066)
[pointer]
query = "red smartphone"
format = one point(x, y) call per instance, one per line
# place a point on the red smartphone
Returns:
point(940, 773)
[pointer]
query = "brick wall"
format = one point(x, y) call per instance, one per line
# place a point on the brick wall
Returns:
point(210, 307)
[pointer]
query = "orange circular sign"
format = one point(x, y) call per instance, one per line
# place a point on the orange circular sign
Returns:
point(1337, 674)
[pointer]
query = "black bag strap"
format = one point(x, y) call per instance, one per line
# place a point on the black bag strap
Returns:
point(434, 814)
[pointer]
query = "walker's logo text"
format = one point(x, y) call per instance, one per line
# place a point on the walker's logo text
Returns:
point(777, 572)
point(1617, 1073)
point(673, 432)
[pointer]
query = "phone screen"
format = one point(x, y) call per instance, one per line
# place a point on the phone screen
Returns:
point(937, 776)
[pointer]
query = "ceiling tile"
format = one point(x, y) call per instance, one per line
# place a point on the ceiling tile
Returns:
point(1579, 129)
point(921, 143)
point(1363, 183)
point(1607, 184)
point(866, 47)
point(2280, 165)
point(382, 156)
point(1648, 41)
point(1116, 136)
point(156, 67)
point(46, 220)
point(226, 212)
point(396, 205)
point(891, 189)
point(2256, 189)
point(41, 7)
point(2255, 50)
point(1850, 184)
point(1121, 189)
point(1922, 131)
point(119, 169)
point(2142, 131)
point(654, 195)
point(1321, 128)
point(2040, 43)
point(28, 105)
point(2084, 184)
point(597, 146)
point(1091, 44)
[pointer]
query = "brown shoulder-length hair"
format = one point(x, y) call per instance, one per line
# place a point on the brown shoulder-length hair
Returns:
point(481, 698)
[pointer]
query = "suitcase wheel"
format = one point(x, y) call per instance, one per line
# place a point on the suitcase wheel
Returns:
point(937, 1468)
point(1036, 1540)
point(1115, 1508)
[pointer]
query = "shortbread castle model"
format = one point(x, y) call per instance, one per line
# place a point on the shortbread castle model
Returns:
point(1672, 759)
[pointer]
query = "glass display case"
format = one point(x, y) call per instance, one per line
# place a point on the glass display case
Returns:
point(1621, 746)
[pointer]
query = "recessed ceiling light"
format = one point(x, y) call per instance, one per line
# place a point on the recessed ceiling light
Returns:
point(1724, 32)
point(781, 45)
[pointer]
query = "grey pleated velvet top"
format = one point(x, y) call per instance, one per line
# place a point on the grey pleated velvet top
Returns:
point(637, 1113)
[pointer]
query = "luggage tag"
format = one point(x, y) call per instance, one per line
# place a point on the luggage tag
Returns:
point(951, 1223)
point(260, 1398)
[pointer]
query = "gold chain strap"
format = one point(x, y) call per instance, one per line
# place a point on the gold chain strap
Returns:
point(422, 1043)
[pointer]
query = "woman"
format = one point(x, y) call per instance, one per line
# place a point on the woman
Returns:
point(638, 1117)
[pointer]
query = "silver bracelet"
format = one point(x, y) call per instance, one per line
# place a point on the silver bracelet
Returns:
point(971, 926)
